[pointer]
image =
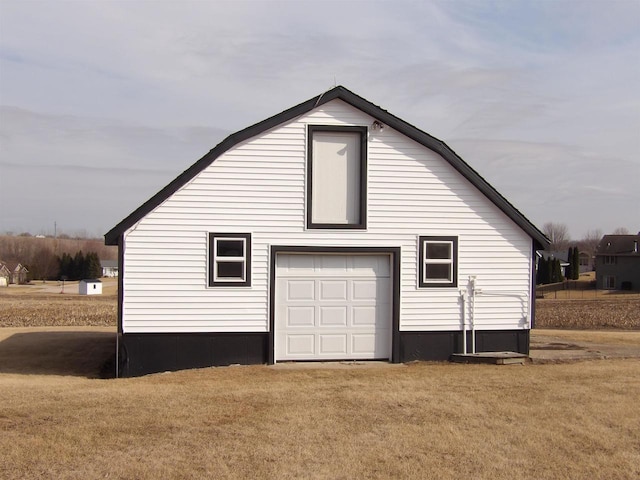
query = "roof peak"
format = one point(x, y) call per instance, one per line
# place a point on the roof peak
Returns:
point(338, 92)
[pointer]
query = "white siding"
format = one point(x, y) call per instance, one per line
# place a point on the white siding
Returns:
point(258, 187)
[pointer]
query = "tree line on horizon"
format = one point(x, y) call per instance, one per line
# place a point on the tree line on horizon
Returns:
point(79, 266)
point(50, 258)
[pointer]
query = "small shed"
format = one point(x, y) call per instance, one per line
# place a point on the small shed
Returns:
point(90, 286)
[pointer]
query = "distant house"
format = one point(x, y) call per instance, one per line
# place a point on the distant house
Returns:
point(618, 262)
point(90, 286)
point(18, 273)
point(556, 255)
point(5, 275)
point(109, 268)
point(586, 262)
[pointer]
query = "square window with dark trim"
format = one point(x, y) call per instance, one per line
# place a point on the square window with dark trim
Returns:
point(229, 259)
point(438, 262)
point(337, 177)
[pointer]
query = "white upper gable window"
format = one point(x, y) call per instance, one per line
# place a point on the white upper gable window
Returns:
point(336, 177)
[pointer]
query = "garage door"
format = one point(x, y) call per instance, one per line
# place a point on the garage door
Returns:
point(332, 307)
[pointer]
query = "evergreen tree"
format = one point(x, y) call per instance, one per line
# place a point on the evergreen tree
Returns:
point(569, 270)
point(542, 274)
point(556, 271)
point(93, 268)
point(64, 265)
point(78, 267)
point(539, 271)
point(576, 263)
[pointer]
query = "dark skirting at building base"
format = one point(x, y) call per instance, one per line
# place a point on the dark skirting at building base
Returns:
point(144, 353)
point(438, 346)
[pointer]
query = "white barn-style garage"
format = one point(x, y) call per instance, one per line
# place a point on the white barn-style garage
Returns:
point(331, 231)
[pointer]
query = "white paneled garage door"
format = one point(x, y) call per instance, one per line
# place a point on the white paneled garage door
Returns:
point(332, 307)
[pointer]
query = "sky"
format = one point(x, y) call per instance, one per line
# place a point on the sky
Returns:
point(103, 103)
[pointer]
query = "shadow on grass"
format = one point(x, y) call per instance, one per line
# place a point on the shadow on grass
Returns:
point(83, 354)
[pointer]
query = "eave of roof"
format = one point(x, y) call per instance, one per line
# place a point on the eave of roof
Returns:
point(432, 143)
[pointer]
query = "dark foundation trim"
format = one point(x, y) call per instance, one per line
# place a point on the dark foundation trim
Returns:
point(439, 346)
point(144, 353)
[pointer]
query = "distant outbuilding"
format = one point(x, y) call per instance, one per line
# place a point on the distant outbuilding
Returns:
point(90, 286)
point(109, 268)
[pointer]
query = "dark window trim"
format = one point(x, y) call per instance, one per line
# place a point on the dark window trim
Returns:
point(395, 253)
point(211, 260)
point(362, 224)
point(421, 259)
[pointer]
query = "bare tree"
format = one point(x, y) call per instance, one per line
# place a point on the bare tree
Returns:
point(621, 231)
point(590, 241)
point(558, 233)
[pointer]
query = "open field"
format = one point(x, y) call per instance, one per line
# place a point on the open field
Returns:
point(42, 304)
point(576, 304)
point(545, 420)
point(620, 312)
point(422, 420)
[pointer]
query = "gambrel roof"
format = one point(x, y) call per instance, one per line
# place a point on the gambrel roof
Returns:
point(341, 93)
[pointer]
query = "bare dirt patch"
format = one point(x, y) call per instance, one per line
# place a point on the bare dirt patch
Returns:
point(555, 346)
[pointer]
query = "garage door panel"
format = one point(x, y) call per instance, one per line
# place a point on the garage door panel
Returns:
point(332, 307)
point(371, 290)
point(301, 290)
point(333, 289)
point(364, 289)
point(376, 266)
point(332, 264)
point(303, 264)
point(333, 344)
point(364, 316)
point(300, 316)
point(301, 345)
point(363, 344)
point(332, 316)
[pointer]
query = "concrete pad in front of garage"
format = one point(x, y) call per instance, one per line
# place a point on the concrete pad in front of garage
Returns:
point(339, 364)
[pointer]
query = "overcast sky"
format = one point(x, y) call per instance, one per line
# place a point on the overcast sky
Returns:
point(102, 103)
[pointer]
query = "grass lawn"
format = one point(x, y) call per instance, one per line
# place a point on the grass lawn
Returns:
point(423, 420)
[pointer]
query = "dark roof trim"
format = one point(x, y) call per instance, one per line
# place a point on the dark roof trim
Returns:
point(432, 143)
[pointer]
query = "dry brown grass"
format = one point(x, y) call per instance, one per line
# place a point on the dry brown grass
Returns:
point(43, 305)
point(418, 421)
point(609, 337)
point(621, 312)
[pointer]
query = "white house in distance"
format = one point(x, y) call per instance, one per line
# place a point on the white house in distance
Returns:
point(90, 286)
point(109, 268)
point(330, 231)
